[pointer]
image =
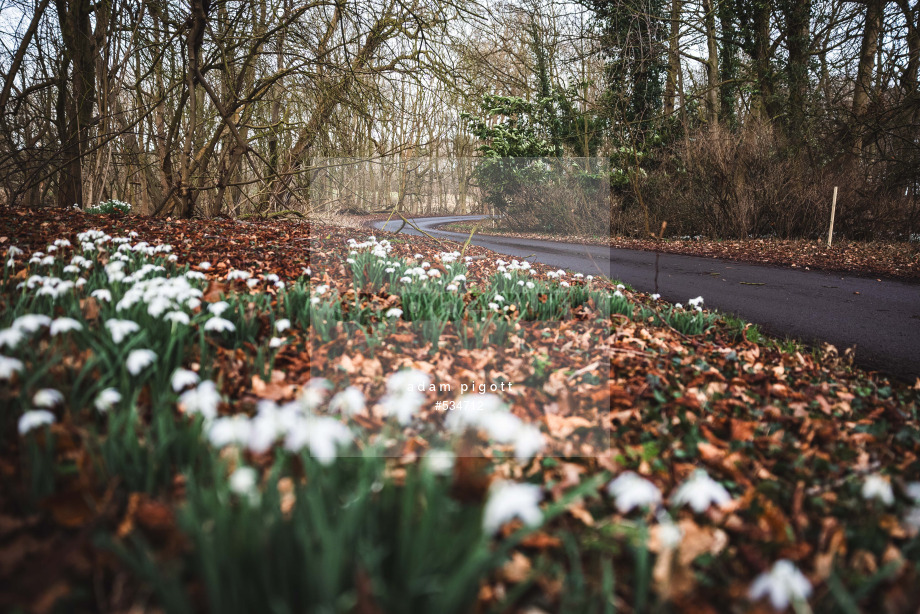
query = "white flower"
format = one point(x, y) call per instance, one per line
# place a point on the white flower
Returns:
point(229, 430)
point(440, 462)
point(451, 287)
point(700, 491)
point(201, 400)
point(119, 329)
point(405, 394)
point(395, 312)
point(8, 366)
point(348, 402)
point(405, 280)
point(493, 306)
point(47, 397)
point(11, 337)
point(282, 325)
point(252, 283)
point(655, 297)
point(183, 378)
point(30, 323)
point(237, 274)
point(631, 490)
point(102, 295)
point(177, 317)
point(204, 265)
point(219, 325)
point(244, 481)
point(64, 325)
point(877, 487)
point(499, 298)
point(275, 342)
point(695, 302)
point(33, 419)
point(107, 399)
point(783, 584)
point(219, 307)
point(530, 285)
point(314, 393)
point(509, 500)
point(138, 360)
point(13, 251)
point(321, 435)
point(528, 441)
point(913, 491)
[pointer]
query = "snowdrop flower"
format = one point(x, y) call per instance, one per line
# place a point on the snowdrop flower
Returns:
point(695, 302)
point(107, 399)
point(218, 308)
point(244, 481)
point(33, 419)
point(405, 280)
point(177, 317)
point(418, 257)
point(322, 289)
point(530, 285)
point(631, 490)
point(321, 435)
point(395, 312)
point(9, 366)
point(102, 295)
point(499, 298)
point(119, 329)
point(204, 265)
point(913, 491)
point(700, 491)
point(783, 584)
point(229, 430)
point(201, 400)
point(451, 287)
point(237, 274)
point(314, 393)
point(405, 394)
point(64, 325)
point(30, 323)
point(252, 283)
point(669, 534)
point(138, 360)
point(389, 269)
point(440, 462)
point(655, 297)
point(282, 325)
point(13, 251)
point(348, 402)
point(877, 487)
point(564, 284)
point(47, 397)
point(11, 337)
point(589, 277)
point(678, 306)
point(183, 378)
point(276, 342)
point(510, 500)
point(219, 325)
point(493, 306)
point(528, 442)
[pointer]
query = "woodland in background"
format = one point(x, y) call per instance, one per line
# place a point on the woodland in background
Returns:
point(730, 118)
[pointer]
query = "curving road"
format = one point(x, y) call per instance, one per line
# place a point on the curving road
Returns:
point(880, 318)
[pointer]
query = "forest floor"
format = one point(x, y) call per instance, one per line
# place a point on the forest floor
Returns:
point(894, 260)
point(218, 415)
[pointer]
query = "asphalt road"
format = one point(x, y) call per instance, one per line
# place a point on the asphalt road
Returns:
point(880, 318)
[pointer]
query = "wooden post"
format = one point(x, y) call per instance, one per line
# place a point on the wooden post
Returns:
point(830, 231)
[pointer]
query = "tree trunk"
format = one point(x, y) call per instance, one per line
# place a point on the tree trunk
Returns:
point(712, 65)
point(670, 86)
point(77, 117)
point(798, 28)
